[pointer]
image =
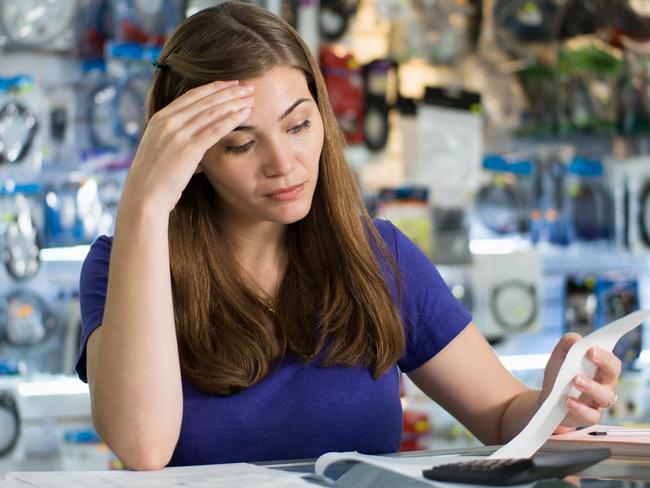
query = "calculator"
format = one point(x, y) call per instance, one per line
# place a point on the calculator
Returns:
point(541, 466)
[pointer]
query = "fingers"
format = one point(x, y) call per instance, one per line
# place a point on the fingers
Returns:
point(567, 341)
point(196, 94)
point(210, 116)
point(185, 118)
point(609, 366)
point(582, 413)
point(210, 135)
point(597, 394)
point(562, 347)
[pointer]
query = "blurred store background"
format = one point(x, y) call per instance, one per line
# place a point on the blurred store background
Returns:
point(509, 138)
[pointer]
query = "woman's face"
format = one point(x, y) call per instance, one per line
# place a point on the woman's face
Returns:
point(267, 168)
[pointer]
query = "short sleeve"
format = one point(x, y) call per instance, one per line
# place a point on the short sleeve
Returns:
point(431, 315)
point(93, 284)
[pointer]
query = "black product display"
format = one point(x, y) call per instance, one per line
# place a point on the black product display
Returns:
point(380, 90)
point(503, 208)
point(520, 23)
point(9, 423)
point(334, 17)
point(644, 214)
point(17, 130)
point(578, 18)
point(518, 471)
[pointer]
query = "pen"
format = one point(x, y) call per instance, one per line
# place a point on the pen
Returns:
point(619, 432)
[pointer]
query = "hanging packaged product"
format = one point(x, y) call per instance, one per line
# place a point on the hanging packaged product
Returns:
point(344, 81)
point(538, 81)
point(636, 94)
point(580, 304)
point(39, 25)
point(11, 423)
point(409, 209)
point(578, 18)
point(31, 332)
point(502, 204)
point(115, 96)
point(380, 88)
point(74, 213)
point(145, 21)
point(450, 236)
point(406, 38)
point(408, 127)
point(26, 319)
point(334, 17)
point(589, 74)
point(451, 145)
point(503, 102)
point(523, 27)
point(22, 109)
point(618, 295)
point(450, 27)
point(628, 19)
point(508, 293)
point(549, 222)
point(633, 182)
point(589, 202)
point(20, 225)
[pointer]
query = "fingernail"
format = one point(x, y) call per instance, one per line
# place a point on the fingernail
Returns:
point(249, 88)
point(595, 354)
point(581, 382)
point(245, 111)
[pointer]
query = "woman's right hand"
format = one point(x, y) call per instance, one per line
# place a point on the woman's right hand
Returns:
point(177, 137)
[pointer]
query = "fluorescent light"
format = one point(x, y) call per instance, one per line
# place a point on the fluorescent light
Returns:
point(524, 362)
point(56, 387)
point(498, 246)
point(75, 253)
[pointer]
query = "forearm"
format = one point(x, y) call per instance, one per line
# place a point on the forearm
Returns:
point(518, 413)
point(136, 383)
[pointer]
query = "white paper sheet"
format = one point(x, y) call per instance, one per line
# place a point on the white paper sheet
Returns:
point(407, 466)
point(211, 476)
point(553, 410)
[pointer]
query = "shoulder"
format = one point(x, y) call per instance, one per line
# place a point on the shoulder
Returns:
point(98, 256)
point(403, 249)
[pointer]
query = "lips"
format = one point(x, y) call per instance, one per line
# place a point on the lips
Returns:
point(288, 193)
point(283, 191)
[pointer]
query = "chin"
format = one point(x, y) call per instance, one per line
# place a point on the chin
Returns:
point(291, 215)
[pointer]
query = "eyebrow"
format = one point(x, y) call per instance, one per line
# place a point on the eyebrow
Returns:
point(284, 115)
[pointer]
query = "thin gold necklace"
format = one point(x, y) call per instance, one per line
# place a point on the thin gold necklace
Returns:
point(268, 304)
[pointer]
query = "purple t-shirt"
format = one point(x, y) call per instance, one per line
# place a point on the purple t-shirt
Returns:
point(302, 410)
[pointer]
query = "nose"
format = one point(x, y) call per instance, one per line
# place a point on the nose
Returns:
point(278, 159)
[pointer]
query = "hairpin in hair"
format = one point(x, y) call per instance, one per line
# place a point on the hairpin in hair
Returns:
point(157, 65)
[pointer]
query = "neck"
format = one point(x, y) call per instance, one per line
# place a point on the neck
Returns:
point(260, 250)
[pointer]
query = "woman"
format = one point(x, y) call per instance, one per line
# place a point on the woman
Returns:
point(253, 310)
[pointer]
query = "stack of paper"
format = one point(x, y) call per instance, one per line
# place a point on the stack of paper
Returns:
point(223, 476)
point(622, 441)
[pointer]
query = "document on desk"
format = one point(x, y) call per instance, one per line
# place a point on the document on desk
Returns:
point(222, 476)
point(407, 471)
point(553, 410)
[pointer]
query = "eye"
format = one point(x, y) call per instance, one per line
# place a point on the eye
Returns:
point(300, 127)
point(239, 149)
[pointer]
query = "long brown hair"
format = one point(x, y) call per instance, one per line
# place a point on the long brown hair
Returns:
point(333, 298)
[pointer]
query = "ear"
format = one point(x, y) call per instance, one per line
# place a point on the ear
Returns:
point(199, 168)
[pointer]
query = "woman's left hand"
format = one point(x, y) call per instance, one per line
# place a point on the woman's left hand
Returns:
point(597, 393)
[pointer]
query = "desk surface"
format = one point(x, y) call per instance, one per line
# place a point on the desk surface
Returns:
point(608, 473)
